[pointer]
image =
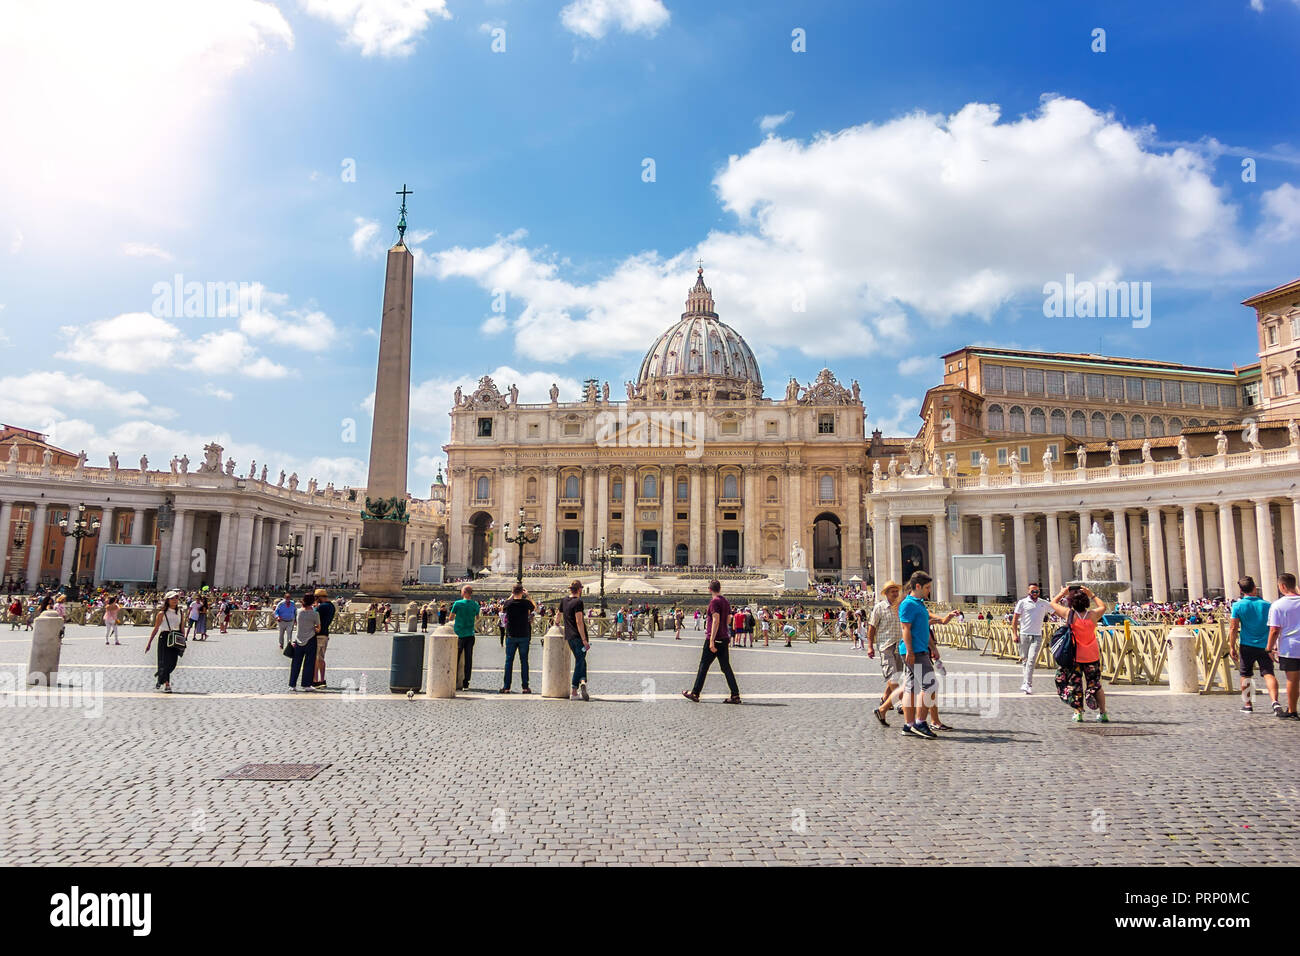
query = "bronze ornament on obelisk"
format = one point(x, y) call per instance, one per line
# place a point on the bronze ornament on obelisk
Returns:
point(384, 518)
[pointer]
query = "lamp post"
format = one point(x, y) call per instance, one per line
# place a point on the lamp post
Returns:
point(602, 555)
point(521, 534)
point(77, 529)
point(289, 551)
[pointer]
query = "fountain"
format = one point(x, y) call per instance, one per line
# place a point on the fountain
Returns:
point(1098, 570)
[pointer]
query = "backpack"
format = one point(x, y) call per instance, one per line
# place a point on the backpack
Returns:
point(1063, 644)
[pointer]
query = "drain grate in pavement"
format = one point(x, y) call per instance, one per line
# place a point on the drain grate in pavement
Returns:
point(275, 771)
point(1115, 730)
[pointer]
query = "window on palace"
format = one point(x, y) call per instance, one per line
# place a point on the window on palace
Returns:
point(1157, 427)
point(1098, 425)
point(1034, 381)
point(826, 424)
point(996, 423)
point(1175, 426)
point(1173, 393)
point(485, 428)
point(530, 491)
point(1227, 396)
point(1134, 386)
point(729, 487)
point(771, 488)
point(826, 488)
point(1074, 384)
point(1024, 454)
point(1272, 335)
point(1155, 389)
point(571, 486)
point(1278, 385)
point(1055, 383)
point(771, 428)
point(482, 489)
point(572, 428)
point(1114, 388)
point(1096, 386)
point(616, 491)
point(1194, 423)
point(1037, 422)
point(1078, 425)
point(992, 378)
point(1139, 426)
point(1295, 328)
point(649, 487)
point(1058, 422)
point(534, 430)
point(1015, 379)
point(1117, 429)
point(682, 489)
point(1251, 392)
point(1210, 396)
point(730, 428)
point(974, 457)
point(1055, 452)
point(1002, 456)
point(1017, 419)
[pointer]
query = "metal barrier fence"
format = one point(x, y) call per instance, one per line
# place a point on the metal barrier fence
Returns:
point(1130, 653)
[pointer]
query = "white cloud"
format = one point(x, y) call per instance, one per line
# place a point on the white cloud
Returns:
point(131, 342)
point(146, 250)
point(379, 27)
point(212, 391)
point(229, 353)
point(16, 243)
point(926, 365)
point(40, 397)
point(365, 236)
point(1281, 214)
point(903, 421)
point(963, 213)
point(307, 329)
point(595, 18)
point(770, 122)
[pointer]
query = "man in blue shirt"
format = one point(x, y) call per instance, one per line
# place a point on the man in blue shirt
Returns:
point(918, 670)
point(464, 615)
point(1249, 627)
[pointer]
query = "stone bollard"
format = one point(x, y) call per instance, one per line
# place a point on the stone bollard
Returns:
point(440, 648)
point(557, 664)
point(413, 616)
point(43, 663)
point(1183, 675)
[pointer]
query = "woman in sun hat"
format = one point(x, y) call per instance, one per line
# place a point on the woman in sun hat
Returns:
point(171, 642)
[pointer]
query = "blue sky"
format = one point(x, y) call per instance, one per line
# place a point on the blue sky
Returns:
point(902, 186)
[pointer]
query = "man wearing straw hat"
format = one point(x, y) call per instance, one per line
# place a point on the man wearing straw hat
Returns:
point(884, 630)
point(325, 611)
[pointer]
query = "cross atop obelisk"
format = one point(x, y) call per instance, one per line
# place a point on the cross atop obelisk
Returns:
point(401, 220)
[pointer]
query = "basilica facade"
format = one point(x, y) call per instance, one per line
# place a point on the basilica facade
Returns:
point(693, 466)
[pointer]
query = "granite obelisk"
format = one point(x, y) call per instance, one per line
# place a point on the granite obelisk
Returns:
point(384, 518)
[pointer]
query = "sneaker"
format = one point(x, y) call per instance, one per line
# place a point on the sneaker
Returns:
point(525, 691)
point(1078, 717)
point(1288, 715)
point(692, 697)
point(308, 690)
point(1277, 707)
point(504, 690)
point(292, 689)
point(922, 729)
point(582, 689)
point(910, 731)
point(573, 695)
point(1247, 709)
point(1103, 718)
point(167, 689)
point(1024, 689)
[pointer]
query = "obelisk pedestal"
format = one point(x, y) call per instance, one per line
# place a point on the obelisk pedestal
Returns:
point(383, 534)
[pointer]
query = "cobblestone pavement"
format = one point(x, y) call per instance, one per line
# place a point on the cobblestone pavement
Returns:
point(801, 773)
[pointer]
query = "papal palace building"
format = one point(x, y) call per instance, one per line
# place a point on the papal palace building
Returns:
point(1192, 473)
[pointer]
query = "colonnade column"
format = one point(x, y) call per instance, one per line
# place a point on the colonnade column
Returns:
point(1137, 555)
point(629, 510)
point(895, 547)
point(986, 534)
point(711, 516)
point(1287, 516)
point(69, 549)
point(879, 550)
point(1124, 569)
point(1228, 550)
point(243, 551)
point(667, 519)
point(1051, 530)
point(589, 539)
point(137, 527)
point(1174, 551)
point(1159, 586)
point(546, 516)
point(693, 517)
point(217, 567)
point(178, 561)
point(602, 507)
point(36, 544)
point(1192, 538)
point(1213, 563)
point(509, 512)
point(1018, 543)
point(255, 578)
point(851, 558)
point(939, 537)
point(105, 538)
point(753, 554)
point(1267, 557)
point(6, 518)
point(1250, 544)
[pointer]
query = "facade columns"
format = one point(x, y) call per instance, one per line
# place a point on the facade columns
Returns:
point(243, 551)
point(588, 512)
point(105, 537)
point(693, 519)
point(879, 550)
point(1124, 571)
point(69, 549)
point(255, 578)
point(1192, 539)
point(1228, 550)
point(1287, 516)
point(629, 510)
point(1159, 584)
point(794, 511)
point(1173, 549)
point(939, 541)
point(36, 544)
point(1213, 567)
point(986, 534)
point(546, 516)
point(711, 516)
point(667, 517)
point(602, 506)
point(6, 518)
point(509, 512)
point(1267, 556)
point(753, 547)
point(178, 563)
point(1138, 557)
point(1250, 546)
point(137, 527)
point(1018, 543)
point(1085, 528)
point(851, 546)
point(1052, 533)
point(217, 568)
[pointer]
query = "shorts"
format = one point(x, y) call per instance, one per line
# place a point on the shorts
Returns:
point(1250, 656)
point(1289, 664)
point(322, 642)
point(891, 664)
point(922, 669)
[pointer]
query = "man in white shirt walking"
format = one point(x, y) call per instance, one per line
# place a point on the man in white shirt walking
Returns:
point(1284, 640)
point(1027, 621)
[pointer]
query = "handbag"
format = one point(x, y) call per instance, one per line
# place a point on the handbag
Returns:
point(1063, 647)
point(287, 650)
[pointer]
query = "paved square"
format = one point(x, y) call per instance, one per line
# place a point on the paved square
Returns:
point(800, 774)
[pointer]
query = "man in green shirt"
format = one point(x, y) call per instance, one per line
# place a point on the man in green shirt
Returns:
point(464, 613)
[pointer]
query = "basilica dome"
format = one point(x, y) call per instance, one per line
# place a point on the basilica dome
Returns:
point(700, 353)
